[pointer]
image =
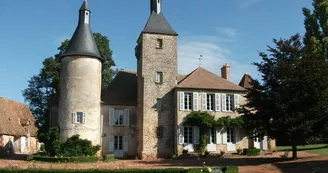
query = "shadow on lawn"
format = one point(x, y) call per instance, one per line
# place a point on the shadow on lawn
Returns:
point(216, 162)
point(14, 157)
point(304, 149)
point(303, 166)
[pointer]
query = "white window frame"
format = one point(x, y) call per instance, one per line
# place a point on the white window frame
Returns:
point(229, 102)
point(79, 118)
point(118, 143)
point(159, 43)
point(188, 101)
point(210, 102)
point(188, 135)
point(119, 117)
point(159, 77)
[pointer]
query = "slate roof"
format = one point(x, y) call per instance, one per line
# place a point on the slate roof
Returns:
point(122, 90)
point(10, 113)
point(246, 81)
point(157, 24)
point(204, 79)
point(85, 6)
point(82, 42)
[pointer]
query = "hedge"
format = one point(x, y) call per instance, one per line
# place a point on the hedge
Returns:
point(252, 152)
point(228, 169)
point(62, 159)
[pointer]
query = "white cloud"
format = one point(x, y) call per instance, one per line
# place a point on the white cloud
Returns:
point(215, 54)
point(60, 39)
point(227, 32)
point(247, 3)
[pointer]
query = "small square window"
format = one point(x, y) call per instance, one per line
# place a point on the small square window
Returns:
point(160, 132)
point(159, 44)
point(159, 77)
point(159, 104)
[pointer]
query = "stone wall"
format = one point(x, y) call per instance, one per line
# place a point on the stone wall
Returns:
point(80, 87)
point(150, 61)
point(110, 130)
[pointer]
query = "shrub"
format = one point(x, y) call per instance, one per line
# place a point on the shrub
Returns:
point(230, 169)
point(64, 159)
point(108, 157)
point(74, 146)
point(252, 152)
point(42, 148)
point(203, 142)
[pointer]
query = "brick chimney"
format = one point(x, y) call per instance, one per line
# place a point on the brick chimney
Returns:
point(225, 71)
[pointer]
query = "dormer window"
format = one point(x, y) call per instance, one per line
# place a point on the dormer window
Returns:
point(159, 44)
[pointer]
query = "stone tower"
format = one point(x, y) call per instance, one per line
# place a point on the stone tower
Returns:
point(156, 54)
point(80, 83)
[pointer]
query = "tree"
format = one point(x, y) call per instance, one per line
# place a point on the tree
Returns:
point(316, 32)
point(292, 97)
point(44, 85)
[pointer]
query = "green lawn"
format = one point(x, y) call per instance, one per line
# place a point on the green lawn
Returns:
point(315, 148)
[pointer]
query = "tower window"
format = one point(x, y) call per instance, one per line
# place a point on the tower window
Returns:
point(159, 44)
point(86, 13)
point(160, 132)
point(159, 77)
point(159, 104)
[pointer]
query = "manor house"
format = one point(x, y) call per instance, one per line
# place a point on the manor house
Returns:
point(141, 113)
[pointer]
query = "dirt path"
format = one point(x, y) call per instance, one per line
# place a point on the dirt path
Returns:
point(273, 163)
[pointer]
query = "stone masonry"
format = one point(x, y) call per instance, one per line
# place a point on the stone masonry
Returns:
point(150, 61)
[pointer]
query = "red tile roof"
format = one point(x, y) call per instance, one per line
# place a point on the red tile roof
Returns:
point(246, 81)
point(11, 113)
point(204, 79)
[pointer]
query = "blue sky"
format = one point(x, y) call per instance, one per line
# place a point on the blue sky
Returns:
point(223, 31)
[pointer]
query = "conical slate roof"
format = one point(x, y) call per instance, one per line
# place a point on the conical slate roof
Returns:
point(82, 43)
point(157, 24)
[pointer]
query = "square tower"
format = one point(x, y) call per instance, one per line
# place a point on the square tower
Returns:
point(157, 73)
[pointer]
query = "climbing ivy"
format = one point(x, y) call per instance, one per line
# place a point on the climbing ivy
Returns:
point(204, 120)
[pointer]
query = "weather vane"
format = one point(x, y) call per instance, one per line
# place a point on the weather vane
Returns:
point(200, 60)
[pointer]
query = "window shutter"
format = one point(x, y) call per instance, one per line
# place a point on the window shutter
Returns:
point(182, 101)
point(83, 118)
point(111, 144)
point(236, 101)
point(224, 102)
point(23, 141)
point(217, 102)
point(224, 135)
point(126, 117)
point(196, 135)
point(125, 143)
point(195, 101)
point(265, 143)
point(111, 117)
point(204, 102)
point(181, 137)
point(219, 135)
point(237, 135)
point(74, 120)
